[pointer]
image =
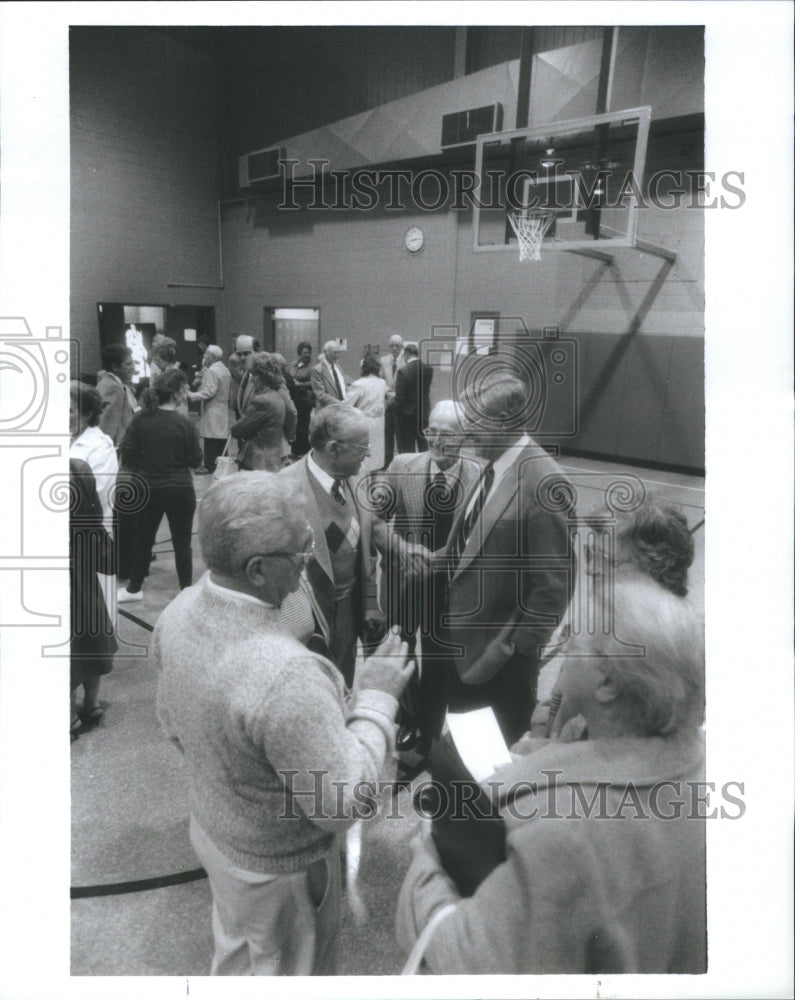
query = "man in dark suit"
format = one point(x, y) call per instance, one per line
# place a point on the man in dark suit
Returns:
point(412, 400)
point(422, 493)
point(509, 566)
point(241, 392)
point(342, 568)
point(509, 571)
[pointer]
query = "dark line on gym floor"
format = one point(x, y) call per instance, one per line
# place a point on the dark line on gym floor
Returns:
point(134, 618)
point(137, 885)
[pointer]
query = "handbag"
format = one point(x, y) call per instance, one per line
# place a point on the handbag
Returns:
point(225, 465)
point(414, 962)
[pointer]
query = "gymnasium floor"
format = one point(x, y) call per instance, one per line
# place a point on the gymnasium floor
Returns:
point(129, 810)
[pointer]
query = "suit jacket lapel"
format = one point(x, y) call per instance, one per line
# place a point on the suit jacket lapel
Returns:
point(321, 553)
point(496, 503)
point(416, 486)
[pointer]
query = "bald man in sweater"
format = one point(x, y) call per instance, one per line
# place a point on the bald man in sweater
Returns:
point(272, 752)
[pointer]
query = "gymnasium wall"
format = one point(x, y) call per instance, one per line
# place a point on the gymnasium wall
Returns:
point(638, 322)
point(144, 176)
point(281, 81)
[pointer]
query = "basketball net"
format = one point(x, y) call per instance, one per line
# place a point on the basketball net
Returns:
point(530, 231)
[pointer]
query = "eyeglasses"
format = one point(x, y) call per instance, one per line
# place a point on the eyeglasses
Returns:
point(364, 449)
point(430, 433)
point(304, 554)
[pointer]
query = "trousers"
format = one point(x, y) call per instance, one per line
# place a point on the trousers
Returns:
point(272, 925)
point(178, 503)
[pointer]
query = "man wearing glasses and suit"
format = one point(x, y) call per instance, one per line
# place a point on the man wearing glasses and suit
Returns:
point(421, 494)
point(342, 568)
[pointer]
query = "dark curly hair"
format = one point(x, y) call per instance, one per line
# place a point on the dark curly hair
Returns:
point(89, 401)
point(164, 388)
point(656, 537)
point(370, 365)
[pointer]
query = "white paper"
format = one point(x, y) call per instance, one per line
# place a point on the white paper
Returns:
point(479, 741)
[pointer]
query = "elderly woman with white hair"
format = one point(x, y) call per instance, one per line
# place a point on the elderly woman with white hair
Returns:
point(604, 856)
point(652, 542)
point(213, 393)
point(273, 754)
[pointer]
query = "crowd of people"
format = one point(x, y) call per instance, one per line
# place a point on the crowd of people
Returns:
point(376, 568)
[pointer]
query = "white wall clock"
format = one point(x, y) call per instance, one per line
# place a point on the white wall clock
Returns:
point(414, 239)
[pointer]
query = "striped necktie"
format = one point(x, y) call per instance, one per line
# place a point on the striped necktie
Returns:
point(337, 494)
point(336, 381)
point(486, 482)
point(336, 491)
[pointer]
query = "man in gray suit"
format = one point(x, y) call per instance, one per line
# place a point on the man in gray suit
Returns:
point(342, 568)
point(328, 382)
point(421, 494)
point(390, 365)
point(213, 393)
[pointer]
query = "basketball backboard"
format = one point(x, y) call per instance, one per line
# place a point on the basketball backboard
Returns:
point(585, 171)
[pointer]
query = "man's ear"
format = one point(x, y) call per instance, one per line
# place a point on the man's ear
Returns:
point(255, 571)
point(607, 689)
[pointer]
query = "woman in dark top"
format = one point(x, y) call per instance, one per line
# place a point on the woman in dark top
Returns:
point(303, 397)
point(93, 642)
point(162, 446)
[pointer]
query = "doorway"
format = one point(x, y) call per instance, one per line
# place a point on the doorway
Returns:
point(283, 329)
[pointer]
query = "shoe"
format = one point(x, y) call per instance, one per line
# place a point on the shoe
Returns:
point(406, 739)
point(202, 471)
point(125, 597)
point(75, 729)
point(89, 718)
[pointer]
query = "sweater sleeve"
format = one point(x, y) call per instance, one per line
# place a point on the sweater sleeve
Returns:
point(326, 758)
point(162, 712)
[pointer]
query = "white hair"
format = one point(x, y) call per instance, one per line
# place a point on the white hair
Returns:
point(331, 345)
point(213, 351)
point(662, 685)
point(334, 422)
point(248, 514)
point(448, 408)
point(396, 339)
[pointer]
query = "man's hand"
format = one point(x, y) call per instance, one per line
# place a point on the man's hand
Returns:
point(415, 559)
point(374, 628)
point(389, 668)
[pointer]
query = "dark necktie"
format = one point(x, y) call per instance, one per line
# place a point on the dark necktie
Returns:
point(440, 501)
point(465, 530)
point(336, 381)
point(336, 491)
point(241, 395)
point(394, 368)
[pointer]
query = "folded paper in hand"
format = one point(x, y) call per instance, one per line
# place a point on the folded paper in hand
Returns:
point(479, 741)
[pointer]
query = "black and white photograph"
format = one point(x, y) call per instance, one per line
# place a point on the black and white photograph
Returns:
point(396, 434)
